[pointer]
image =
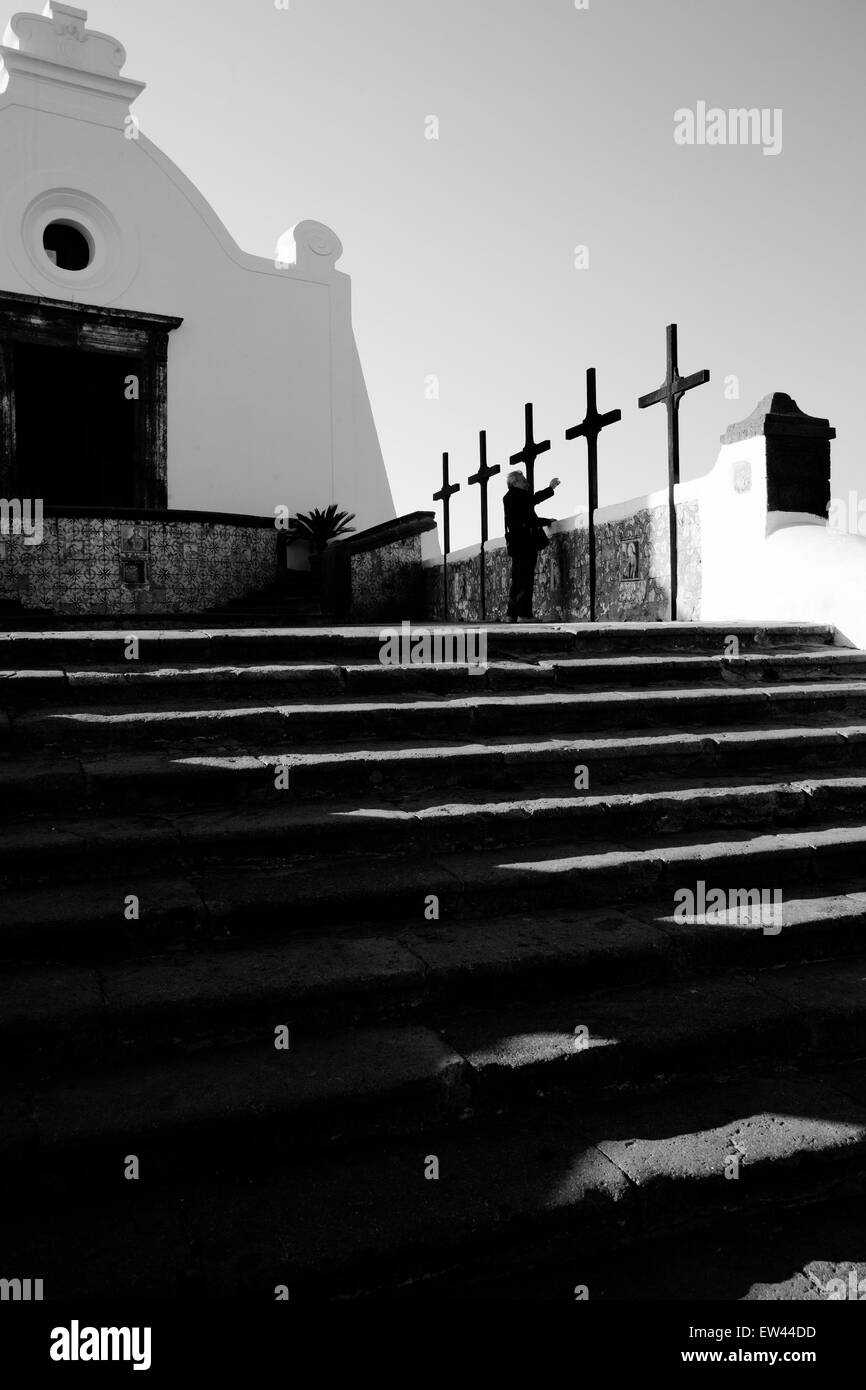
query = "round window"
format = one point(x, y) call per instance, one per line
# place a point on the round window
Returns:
point(67, 246)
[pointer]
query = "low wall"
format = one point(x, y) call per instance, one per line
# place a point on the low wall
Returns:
point(754, 544)
point(753, 539)
point(378, 574)
point(138, 562)
point(632, 569)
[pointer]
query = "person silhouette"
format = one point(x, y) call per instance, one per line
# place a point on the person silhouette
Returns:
point(524, 537)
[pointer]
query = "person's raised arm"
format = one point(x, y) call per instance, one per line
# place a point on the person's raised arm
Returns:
point(547, 492)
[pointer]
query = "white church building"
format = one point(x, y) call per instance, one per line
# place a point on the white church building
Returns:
point(162, 392)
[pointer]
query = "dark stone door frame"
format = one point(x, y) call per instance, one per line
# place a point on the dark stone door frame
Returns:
point(26, 318)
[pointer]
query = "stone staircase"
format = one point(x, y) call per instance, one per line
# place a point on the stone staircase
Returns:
point(505, 1054)
point(295, 599)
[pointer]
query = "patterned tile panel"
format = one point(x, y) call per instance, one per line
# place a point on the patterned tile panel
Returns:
point(171, 566)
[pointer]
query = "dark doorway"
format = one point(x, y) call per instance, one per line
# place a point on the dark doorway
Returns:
point(76, 425)
point(71, 430)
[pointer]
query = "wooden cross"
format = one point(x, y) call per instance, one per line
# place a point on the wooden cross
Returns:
point(530, 451)
point(671, 392)
point(444, 496)
point(482, 478)
point(590, 428)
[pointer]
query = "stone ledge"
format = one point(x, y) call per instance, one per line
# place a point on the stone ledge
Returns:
point(49, 307)
point(159, 516)
point(387, 532)
point(776, 414)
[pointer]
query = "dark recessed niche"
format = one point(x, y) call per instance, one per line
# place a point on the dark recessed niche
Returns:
point(67, 246)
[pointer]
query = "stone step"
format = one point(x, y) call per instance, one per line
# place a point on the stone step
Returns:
point(56, 1018)
point(276, 600)
point(157, 782)
point(360, 1081)
point(503, 1193)
point(296, 585)
point(65, 647)
point(34, 624)
point(211, 686)
point(509, 1196)
point(288, 582)
point(283, 614)
point(484, 715)
point(37, 850)
point(87, 921)
point(785, 1254)
point(475, 960)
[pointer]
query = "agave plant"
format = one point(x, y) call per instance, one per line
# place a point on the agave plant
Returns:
point(320, 527)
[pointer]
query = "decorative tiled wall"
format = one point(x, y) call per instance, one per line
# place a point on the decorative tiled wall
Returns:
point(637, 545)
point(388, 582)
point(101, 565)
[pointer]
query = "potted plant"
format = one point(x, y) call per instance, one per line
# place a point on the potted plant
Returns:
point(318, 528)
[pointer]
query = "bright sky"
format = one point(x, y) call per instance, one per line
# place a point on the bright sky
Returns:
point(556, 130)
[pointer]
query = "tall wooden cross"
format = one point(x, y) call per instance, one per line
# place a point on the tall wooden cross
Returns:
point(444, 496)
point(590, 428)
point(530, 451)
point(671, 392)
point(482, 478)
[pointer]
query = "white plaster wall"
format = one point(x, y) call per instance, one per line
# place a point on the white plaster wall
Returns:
point(774, 566)
point(733, 530)
point(800, 572)
point(820, 575)
point(267, 402)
